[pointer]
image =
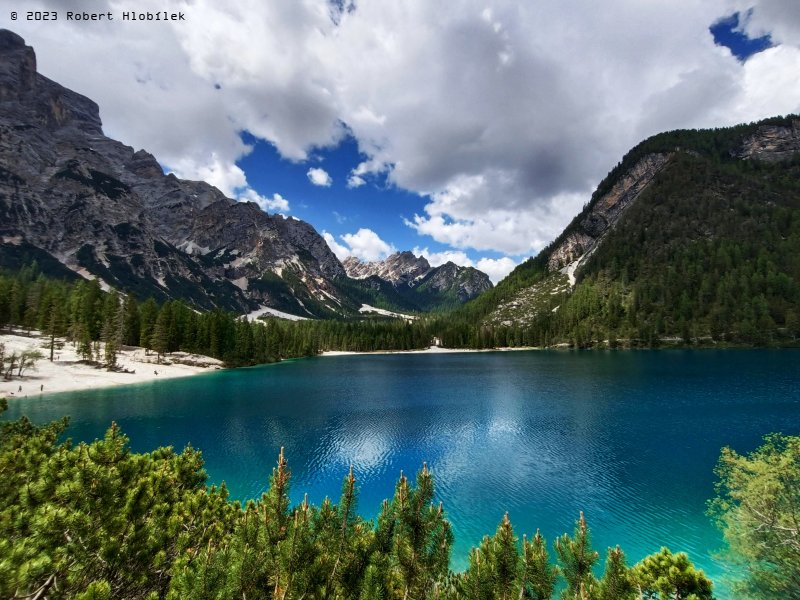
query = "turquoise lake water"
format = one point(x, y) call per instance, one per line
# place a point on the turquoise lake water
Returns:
point(629, 437)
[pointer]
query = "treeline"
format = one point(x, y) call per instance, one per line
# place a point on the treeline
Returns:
point(96, 521)
point(100, 323)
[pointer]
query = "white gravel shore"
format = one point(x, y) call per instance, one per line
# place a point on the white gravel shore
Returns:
point(68, 373)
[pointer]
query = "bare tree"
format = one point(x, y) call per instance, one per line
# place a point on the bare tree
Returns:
point(27, 360)
point(11, 361)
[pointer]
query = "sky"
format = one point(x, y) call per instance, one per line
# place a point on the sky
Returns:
point(461, 130)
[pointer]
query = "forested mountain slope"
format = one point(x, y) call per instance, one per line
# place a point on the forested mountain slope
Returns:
point(694, 235)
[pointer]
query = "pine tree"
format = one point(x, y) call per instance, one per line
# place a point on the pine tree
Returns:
point(671, 576)
point(422, 536)
point(84, 342)
point(111, 328)
point(617, 583)
point(505, 561)
point(538, 575)
point(54, 322)
point(476, 583)
point(148, 314)
point(576, 559)
point(130, 321)
point(159, 340)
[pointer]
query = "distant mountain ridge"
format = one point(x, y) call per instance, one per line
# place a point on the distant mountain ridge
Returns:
point(398, 268)
point(421, 286)
point(82, 204)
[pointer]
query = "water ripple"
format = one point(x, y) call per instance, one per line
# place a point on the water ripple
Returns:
point(630, 438)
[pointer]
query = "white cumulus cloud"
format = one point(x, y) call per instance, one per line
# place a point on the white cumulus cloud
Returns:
point(354, 181)
point(340, 250)
point(364, 244)
point(275, 204)
point(496, 268)
point(367, 245)
point(439, 258)
point(319, 177)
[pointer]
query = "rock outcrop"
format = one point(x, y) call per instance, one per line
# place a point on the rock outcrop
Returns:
point(401, 268)
point(465, 283)
point(772, 143)
point(604, 214)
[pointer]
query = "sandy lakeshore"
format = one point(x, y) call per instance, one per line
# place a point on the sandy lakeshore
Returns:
point(68, 373)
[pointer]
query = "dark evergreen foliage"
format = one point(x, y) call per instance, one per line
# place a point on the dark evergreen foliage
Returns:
point(97, 521)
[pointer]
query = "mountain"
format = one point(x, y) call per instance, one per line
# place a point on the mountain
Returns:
point(408, 281)
point(401, 268)
point(693, 236)
point(77, 200)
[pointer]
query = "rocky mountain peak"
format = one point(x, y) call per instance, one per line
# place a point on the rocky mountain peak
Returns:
point(26, 96)
point(413, 277)
point(399, 268)
point(76, 197)
point(94, 206)
point(18, 69)
point(463, 282)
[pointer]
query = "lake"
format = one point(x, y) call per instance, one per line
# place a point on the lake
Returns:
point(629, 437)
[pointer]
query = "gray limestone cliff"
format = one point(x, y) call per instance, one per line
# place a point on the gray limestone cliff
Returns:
point(401, 268)
point(105, 210)
point(543, 284)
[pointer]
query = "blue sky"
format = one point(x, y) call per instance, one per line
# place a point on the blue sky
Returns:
point(340, 209)
point(727, 33)
point(335, 208)
point(479, 128)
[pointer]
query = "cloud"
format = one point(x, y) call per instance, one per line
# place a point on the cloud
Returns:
point(778, 18)
point(275, 204)
point(357, 176)
point(468, 215)
point(338, 249)
point(354, 181)
point(504, 115)
point(495, 268)
point(319, 177)
point(365, 245)
point(437, 259)
point(225, 176)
